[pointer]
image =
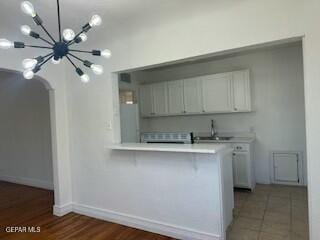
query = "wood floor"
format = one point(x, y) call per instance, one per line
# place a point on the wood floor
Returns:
point(23, 206)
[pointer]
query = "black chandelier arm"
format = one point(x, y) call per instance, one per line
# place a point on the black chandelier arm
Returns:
point(45, 40)
point(46, 31)
point(47, 55)
point(38, 67)
point(45, 61)
point(35, 46)
point(59, 20)
point(74, 56)
point(40, 59)
point(73, 64)
point(37, 36)
point(80, 51)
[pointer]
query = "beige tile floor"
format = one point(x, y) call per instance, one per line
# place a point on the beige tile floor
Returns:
point(271, 212)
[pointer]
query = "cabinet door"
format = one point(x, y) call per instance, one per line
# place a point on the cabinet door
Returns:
point(160, 94)
point(175, 97)
point(145, 100)
point(192, 95)
point(241, 91)
point(241, 167)
point(216, 90)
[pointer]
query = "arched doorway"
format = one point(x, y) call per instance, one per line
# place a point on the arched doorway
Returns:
point(28, 132)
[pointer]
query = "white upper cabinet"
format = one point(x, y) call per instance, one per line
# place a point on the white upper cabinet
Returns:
point(175, 97)
point(241, 91)
point(145, 100)
point(160, 98)
point(216, 93)
point(192, 91)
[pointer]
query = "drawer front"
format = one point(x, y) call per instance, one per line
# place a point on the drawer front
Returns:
point(241, 147)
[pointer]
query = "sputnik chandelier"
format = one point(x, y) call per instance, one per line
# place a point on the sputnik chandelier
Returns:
point(58, 49)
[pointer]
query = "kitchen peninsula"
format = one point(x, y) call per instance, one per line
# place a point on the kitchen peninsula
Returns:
point(180, 190)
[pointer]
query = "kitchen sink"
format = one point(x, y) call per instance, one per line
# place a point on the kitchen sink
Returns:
point(214, 138)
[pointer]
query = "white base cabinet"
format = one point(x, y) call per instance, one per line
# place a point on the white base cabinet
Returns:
point(243, 166)
point(216, 93)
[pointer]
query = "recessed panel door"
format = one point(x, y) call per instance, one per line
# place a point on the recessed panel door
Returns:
point(286, 167)
point(192, 90)
point(216, 91)
point(160, 103)
point(175, 97)
point(241, 169)
point(241, 91)
point(145, 100)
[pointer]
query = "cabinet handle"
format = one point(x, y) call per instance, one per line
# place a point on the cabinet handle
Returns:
point(236, 109)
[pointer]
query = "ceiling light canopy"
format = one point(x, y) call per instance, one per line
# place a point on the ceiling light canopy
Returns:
point(58, 48)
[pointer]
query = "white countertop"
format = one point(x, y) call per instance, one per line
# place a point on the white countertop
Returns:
point(183, 148)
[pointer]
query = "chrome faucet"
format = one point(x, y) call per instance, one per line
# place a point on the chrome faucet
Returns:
point(213, 129)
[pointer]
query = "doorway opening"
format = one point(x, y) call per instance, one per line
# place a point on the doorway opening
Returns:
point(27, 152)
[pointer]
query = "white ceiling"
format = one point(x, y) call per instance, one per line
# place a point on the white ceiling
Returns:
point(117, 10)
point(75, 13)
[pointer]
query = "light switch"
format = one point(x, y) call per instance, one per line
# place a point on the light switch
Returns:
point(109, 125)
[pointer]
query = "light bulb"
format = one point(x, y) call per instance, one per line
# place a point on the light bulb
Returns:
point(106, 53)
point(29, 63)
point(97, 69)
point(6, 44)
point(54, 61)
point(28, 8)
point(68, 34)
point(28, 74)
point(95, 21)
point(85, 78)
point(83, 37)
point(26, 30)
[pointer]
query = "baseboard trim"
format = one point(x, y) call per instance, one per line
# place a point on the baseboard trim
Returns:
point(28, 182)
point(144, 224)
point(62, 210)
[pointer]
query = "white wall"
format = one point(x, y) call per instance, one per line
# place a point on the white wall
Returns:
point(202, 28)
point(53, 78)
point(278, 116)
point(25, 132)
